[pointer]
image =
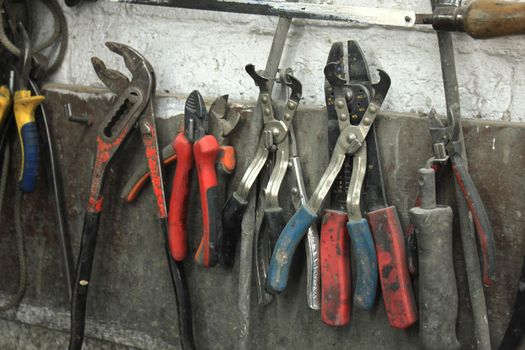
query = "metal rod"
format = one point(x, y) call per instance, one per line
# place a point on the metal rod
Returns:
point(328, 12)
point(247, 238)
point(470, 251)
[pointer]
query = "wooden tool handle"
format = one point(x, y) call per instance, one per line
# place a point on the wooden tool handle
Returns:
point(484, 19)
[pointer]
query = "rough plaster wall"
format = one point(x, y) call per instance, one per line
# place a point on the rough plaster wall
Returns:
point(208, 51)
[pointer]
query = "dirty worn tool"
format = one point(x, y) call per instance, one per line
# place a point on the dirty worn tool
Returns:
point(345, 195)
point(132, 108)
point(438, 295)
point(480, 19)
point(466, 211)
point(350, 141)
point(223, 121)
point(273, 141)
point(194, 144)
point(515, 332)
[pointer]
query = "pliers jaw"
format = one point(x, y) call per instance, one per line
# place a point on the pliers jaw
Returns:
point(196, 121)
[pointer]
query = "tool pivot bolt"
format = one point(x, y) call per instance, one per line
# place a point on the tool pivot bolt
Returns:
point(275, 132)
point(373, 108)
point(340, 104)
point(264, 99)
point(294, 190)
point(343, 117)
point(349, 94)
point(267, 111)
point(287, 116)
point(351, 137)
point(367, 121)
point(291, 104)
point(83, 282)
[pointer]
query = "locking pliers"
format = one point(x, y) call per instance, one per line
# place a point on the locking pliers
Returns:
point(273, 139)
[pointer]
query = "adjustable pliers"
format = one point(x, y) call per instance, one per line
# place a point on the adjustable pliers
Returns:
point(273, 140)
point(195, 144)
point(133, 106)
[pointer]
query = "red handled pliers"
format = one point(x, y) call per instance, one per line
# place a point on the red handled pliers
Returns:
point(195, 144)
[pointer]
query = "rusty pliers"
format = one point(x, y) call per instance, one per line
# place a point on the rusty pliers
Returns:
point(133, 107)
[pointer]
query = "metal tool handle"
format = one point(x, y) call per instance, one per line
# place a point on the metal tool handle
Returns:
point(480, 217)
point(24, 109)
point(285, 248)
point(395, 281)
point(231, 228)
point(205, 152)
point(335, 270)
point(179, 198)
point(83, 274)
point(366, 264)
point(438, 295)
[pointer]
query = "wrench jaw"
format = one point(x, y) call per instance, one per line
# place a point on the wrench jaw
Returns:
point(260, 81)
point(381, 88)
point(333, 72)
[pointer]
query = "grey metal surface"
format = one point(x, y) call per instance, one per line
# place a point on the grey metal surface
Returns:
point(131, 301)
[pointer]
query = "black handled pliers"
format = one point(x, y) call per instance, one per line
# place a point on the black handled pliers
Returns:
point(132, 107)
point(448, 145)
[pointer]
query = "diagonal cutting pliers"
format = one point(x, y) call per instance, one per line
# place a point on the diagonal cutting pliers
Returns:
point(448, 146)
point(195, 145)
point(132, 107)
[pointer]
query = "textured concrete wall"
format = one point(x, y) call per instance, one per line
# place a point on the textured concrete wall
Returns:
point(207, 51)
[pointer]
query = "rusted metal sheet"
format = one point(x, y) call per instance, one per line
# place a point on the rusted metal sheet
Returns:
point(131, 301)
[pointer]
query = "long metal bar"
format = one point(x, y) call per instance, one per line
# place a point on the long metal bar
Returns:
point(470, 251)
point(247, 235)
point(328, 12)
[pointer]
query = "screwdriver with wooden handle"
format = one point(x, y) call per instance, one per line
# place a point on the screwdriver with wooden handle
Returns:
point(438, 296)
point(481, 19)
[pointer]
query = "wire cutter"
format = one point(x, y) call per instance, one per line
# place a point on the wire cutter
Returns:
point(133, 106)
point(345, 194)
point(195, 144)
point(448, 146)
point(273, 139)
point(350, 142)
point(223, 121)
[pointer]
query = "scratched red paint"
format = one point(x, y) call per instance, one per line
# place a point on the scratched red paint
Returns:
point(335, 269)
point(393, 270)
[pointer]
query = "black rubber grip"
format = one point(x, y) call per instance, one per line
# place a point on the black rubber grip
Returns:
point(231, 229)
point(275, 223)
point(83, 274)
point(438, 296)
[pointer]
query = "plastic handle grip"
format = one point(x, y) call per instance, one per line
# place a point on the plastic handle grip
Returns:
point(335, 270)
point(393, 271)
point(366, 264)
point(83, 275)
point(24, 109)
point(205, 152)
point(438, 296)
point(179, 198)
point(285, 247)
point(480, 218)
point(231, 228)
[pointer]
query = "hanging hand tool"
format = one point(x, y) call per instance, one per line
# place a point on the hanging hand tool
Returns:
point(346, 193)
point(194, 142)
point(350, 141)
point(438, 295)
point(396, 286)
point(480, 19)
point(273, 139)
point(24, 106)
point(133, 107)
point(448, 146)
point(466, 215)
point(222, 122)
point(513, 337)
